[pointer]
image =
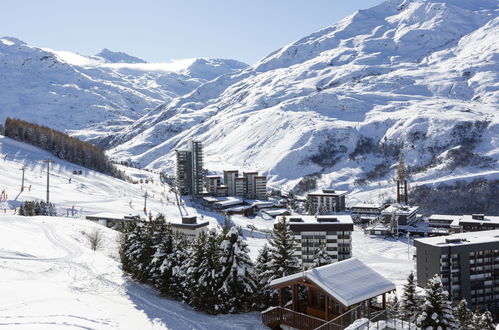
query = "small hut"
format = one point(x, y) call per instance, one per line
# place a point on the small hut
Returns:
point(328, 297)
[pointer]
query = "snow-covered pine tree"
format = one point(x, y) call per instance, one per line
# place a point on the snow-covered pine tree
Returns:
point(283, 262)
point(239, 285)
point(410, 301)
point(177, 260)
point(463, 314)
point(393, 307)
point(141, 250)
point(262, 271)
point(437, 309)
point(203, 273)
point(321, 257)
point(127, 240)
point(482, 321)
point(162, 240)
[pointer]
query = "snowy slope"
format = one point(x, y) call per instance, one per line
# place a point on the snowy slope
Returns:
point(92, 97)
point(50, 279)
point(340, 102)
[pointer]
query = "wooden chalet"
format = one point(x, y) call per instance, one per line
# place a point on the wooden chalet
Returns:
point(328, 297)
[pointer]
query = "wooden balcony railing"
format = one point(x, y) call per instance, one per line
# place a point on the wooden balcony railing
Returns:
point(277, 315)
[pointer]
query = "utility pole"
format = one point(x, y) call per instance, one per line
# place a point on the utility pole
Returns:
point(22, 185)
point(145, 201)
point(48, 161)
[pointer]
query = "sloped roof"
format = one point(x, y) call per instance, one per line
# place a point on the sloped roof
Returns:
point(349, 281)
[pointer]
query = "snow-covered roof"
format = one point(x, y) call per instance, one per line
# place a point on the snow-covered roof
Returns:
point(475, 237)
point(228, 201)
point(349, 281)
point(108, 215)
point(486, 219)
point(276, 211)
point(446, 217)
point(239, 208)
point(400, 209)
point(308, 219)
point(366, 206)
point(328, 192)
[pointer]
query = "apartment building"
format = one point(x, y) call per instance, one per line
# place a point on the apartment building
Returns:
point(468, 264)
point(212, 184)
point(241, 187)
point(250, 184)
point(312, 232)
point(260, 184)
point(326, 201)
point(230, 181)
point(189, 180)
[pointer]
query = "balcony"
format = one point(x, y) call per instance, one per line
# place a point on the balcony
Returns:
point(276, 316)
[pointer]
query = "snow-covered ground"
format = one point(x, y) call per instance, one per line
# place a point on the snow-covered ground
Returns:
point(49, 278)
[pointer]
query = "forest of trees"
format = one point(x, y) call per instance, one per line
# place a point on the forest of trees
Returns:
point(212, 273)
point(61, 145)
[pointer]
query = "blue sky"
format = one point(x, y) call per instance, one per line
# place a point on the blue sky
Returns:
point(158, 31)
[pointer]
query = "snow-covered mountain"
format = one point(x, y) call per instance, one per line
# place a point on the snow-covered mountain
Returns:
point(92, 96)
point(338, 104)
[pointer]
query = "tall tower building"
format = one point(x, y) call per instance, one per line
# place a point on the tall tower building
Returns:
point(189, 179)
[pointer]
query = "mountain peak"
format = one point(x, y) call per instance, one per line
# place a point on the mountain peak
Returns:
point(11, 41)
point(118, 57)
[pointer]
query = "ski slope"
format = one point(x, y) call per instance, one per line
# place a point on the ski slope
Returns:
point(51, 279)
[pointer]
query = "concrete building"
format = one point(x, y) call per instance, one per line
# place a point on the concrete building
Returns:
point(189, 179)
point(327, 201)
point(260, 184)
point(250, 184)
point(190, 227)
point(212, 184)
point(402, 214)
point(230, 181)
point(241, 187)
point(468, 264)
point(312, 232)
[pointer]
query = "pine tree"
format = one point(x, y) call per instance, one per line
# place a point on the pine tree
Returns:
point(140, 251)
point(410, 302)
point(437, 310)
point(321, 257)
point(239, 285)
point(177, 260)
point(283, 262)
point(482, 321)
point(203, 280)
point(393, 307)
point(162, 239)
point(463, 314)
point(262, 271)
point(126, 243)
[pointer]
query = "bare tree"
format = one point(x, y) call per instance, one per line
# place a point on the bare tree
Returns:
point(95, 239)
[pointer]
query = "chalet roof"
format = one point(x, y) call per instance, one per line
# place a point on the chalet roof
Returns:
point(349, 281)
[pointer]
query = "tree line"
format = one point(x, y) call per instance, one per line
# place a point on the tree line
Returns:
point(61, 145)
point(212, 273)
point(32, 208)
